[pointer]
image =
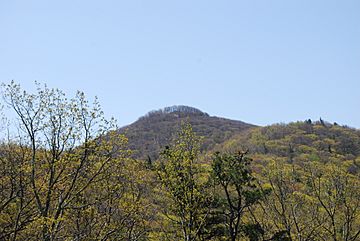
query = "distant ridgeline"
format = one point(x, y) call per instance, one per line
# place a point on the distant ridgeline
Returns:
point(181, 109)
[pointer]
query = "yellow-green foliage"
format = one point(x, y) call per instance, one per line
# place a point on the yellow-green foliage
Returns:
point(68, 175)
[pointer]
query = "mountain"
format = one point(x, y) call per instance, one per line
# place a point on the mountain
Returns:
point(150, 133)
point(296, 142)
point(299, 142)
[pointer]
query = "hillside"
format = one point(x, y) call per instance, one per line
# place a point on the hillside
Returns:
point(155, 130)
point(300, 142)
point(294, 142)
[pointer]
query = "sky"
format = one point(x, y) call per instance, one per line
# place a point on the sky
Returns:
point(261, 62)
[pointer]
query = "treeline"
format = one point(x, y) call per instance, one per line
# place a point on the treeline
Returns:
point(68, 175)
point(179, 109)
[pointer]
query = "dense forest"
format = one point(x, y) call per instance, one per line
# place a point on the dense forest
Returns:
point(68, 173)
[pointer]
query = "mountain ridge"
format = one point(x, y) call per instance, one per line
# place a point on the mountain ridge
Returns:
point(155, 129)
point(294, 142)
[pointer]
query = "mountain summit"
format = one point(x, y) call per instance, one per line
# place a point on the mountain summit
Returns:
point(180, 109)
point(154, 130)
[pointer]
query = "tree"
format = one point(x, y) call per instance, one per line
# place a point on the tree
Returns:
point(184, 183)
point(16, 208)
point(116, 206)
point(337, 193)
point(289, 212)
point(65, 150)
point(232, 174)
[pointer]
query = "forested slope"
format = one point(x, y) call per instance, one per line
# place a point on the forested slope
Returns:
point(155, 130)
point(300, 142)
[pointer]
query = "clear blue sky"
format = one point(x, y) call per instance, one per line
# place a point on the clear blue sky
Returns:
point(258, 61)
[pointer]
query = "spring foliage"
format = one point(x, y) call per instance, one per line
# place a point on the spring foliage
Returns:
point(67, 174)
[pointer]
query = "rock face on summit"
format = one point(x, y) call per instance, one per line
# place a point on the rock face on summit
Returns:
point(150, 133)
